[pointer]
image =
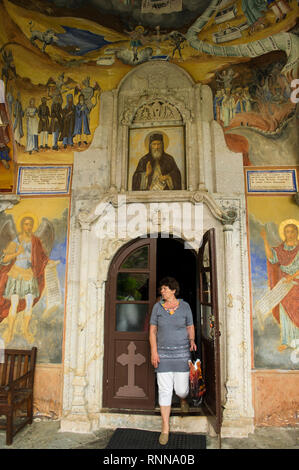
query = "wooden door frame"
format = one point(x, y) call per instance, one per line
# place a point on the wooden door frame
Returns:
point(116, 261)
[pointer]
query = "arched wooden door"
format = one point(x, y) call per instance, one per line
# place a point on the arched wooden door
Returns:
point(129, 378)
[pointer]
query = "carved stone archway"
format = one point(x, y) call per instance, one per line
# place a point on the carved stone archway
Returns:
point(99, 182)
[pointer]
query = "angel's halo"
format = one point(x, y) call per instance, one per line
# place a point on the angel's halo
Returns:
point(28, 215)
point(286, 222)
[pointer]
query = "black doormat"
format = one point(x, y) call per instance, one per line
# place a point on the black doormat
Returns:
point(138, 439)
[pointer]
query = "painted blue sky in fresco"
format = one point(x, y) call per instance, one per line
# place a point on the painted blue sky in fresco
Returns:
point(84, 41)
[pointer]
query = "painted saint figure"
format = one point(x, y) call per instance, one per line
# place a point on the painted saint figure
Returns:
point(22, 267)
point(4, 129)
point(283, 263)
point(56, 123)
point(18, 119)
point(156, 170)
point(31, 115)
point(68, 121)
point(44, 123)
point(137, 40)
point(81, 121)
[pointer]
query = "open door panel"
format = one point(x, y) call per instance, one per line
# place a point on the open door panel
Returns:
point(209, 315)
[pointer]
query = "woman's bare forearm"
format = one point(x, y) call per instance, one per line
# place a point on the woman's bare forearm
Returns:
point(153, 338)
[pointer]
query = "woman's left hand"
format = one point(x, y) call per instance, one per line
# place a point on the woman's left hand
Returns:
point(193, 346)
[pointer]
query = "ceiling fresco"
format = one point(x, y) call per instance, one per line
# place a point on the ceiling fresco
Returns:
point(246, 50)
point(120, 13)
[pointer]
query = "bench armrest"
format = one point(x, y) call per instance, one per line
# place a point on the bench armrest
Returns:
point(11, 385)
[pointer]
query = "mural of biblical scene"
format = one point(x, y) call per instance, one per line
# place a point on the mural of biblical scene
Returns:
point(6, 145)
point(157, 159)
point(33, 247)
point(58, 56)
point(274, 254)
point(252, 102)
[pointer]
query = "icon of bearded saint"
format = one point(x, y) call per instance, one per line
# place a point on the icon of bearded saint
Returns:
point(157, 170)
point(23, 259)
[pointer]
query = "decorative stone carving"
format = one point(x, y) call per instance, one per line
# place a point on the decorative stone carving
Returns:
point(229, 212)
point(157, 111)
point(156, 106)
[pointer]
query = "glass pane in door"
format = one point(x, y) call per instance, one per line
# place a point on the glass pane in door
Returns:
point(131, 317)
point(207, 321)
point(132, 286)
point(137, 259)
point(206, 287)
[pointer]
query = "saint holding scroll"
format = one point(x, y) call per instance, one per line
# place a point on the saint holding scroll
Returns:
point(283, 268)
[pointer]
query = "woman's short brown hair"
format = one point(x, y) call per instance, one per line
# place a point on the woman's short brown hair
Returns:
point(171, 283)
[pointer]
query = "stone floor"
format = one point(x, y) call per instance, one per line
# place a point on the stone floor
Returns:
point(44, 434)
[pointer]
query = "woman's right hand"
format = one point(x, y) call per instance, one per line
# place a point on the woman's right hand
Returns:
point(155, 359)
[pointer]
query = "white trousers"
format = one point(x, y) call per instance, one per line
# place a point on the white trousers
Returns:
point(167, 381)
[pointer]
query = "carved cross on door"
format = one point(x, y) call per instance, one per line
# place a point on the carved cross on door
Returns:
point(131, 360)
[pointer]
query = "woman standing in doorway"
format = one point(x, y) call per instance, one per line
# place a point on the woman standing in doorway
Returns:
point(171, 338)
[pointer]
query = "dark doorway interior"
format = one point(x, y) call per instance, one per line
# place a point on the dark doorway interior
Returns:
point(174, 260)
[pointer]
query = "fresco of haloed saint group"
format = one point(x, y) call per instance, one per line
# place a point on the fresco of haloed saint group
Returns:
point(57, 59)
point(33, 246)
point(274, 256)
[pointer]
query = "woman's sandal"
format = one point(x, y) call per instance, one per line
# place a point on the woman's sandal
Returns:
point(163, 439)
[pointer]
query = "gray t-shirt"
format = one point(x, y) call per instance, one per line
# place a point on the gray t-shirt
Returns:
point(172, 337)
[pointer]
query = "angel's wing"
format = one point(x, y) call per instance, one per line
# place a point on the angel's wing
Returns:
point(272, 234)
point(7, 230)
point(46, 234)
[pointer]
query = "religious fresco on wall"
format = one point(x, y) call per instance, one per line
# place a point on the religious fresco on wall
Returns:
point(58, 56)
point(274, 258)
point(253, 105)
point(33, 247)
point(6, 145)
point(157, 159)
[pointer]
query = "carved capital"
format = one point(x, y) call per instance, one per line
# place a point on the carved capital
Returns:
point(83, 219)
point(230, 213)
point(229, 217)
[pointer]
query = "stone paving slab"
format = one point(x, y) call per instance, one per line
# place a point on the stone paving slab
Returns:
point(45, 434)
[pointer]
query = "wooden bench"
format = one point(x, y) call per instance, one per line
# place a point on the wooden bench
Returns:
point(16, 388)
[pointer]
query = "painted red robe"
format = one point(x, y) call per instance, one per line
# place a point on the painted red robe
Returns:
point(39, 261)
point(291, 301)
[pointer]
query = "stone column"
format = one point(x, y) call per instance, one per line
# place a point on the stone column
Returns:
point(114, 141)
point(237, 421)
point(79, 406)
point(232, 382)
